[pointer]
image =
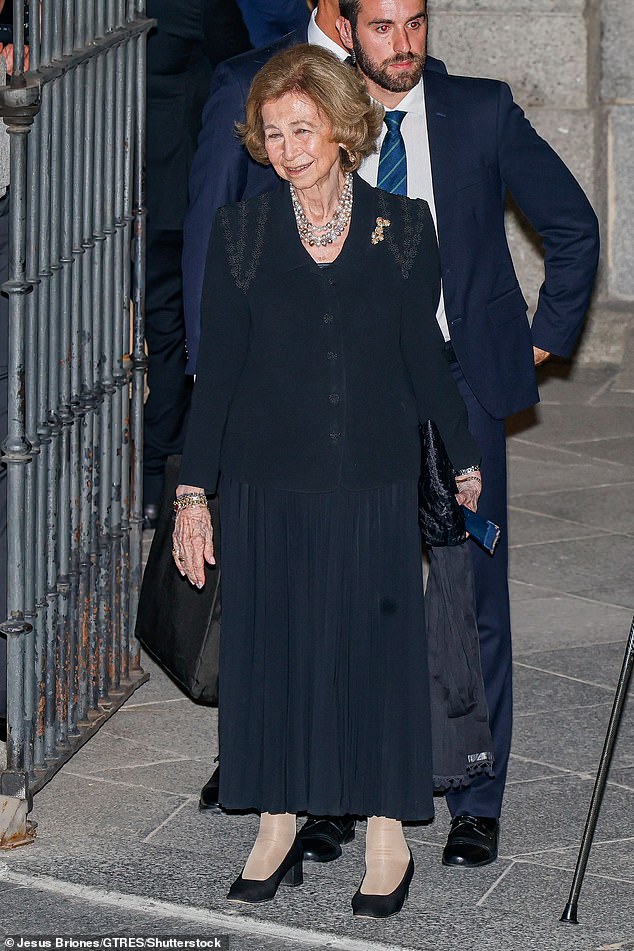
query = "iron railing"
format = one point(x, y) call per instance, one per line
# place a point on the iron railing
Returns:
point(76, 378)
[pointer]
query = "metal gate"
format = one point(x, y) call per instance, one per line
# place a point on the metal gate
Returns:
point(76, 378)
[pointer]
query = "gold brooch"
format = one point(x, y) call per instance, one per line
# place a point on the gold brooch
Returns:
point(377, 234)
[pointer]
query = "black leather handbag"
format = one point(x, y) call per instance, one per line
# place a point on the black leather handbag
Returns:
point(439, 515)
point(178, 625)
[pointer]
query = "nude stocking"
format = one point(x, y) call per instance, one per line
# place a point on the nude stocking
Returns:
point(275, 837)
point(386, 856)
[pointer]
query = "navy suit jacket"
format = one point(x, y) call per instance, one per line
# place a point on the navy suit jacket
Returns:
point(481, 146)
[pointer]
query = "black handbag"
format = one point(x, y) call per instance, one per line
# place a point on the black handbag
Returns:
point(177, 624)
point(439, 514)
point(462, 745)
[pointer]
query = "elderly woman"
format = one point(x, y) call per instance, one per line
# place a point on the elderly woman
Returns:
point(320, 355)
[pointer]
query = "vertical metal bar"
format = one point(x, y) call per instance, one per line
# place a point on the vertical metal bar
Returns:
point(16, 449)
point(139, 360)
point(107, 620)
point(101, 459)
point(56, 647)
point(128, 218)
point(90, 385)
point(66, 631)
point(34, 660)
point(18, 38)
point(120, 620)
point(77, 709)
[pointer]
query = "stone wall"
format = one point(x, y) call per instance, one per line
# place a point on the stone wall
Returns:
point(570, 64)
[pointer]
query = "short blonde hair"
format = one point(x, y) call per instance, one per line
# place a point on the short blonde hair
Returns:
point(336, 90)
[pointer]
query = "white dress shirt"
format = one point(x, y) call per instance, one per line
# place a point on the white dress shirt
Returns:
point(419, 179)
point(317, 37)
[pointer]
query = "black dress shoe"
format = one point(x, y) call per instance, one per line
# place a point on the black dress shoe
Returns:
point(472, 841)
point(323, 836)
point(382, 906)
point(208, 801)
point(290, 872)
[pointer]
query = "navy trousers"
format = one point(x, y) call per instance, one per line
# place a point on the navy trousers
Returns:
point(484, 796)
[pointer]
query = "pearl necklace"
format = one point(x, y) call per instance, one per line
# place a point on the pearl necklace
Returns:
point(323, 235)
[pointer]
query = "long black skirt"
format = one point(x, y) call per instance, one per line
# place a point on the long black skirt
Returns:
point(324, 684)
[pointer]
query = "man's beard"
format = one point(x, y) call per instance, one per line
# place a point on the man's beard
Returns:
point(380, 74)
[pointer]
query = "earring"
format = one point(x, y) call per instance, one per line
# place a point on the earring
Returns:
point(349, 154)
point(351, 58)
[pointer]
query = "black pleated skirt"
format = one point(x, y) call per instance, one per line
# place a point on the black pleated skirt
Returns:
point(324, 684)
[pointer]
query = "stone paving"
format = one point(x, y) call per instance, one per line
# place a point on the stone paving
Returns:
point(122, 848)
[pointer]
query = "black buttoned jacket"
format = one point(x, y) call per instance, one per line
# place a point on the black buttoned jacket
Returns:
point(310, 378)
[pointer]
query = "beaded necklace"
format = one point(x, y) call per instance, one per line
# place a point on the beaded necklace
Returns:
point(323, 235)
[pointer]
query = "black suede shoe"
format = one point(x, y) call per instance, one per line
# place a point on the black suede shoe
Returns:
point(323, 836)
point(383, 906)
point(250, 891)
point(472, 842)
point(208, 801)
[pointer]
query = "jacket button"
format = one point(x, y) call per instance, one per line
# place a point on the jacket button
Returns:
point(332, 354)
point(335, 435)
point(328, 318)
point(334, 398)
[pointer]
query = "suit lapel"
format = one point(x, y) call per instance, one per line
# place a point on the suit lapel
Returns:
point(442, 146)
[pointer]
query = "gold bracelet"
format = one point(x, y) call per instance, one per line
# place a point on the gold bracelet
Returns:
point(188, 500)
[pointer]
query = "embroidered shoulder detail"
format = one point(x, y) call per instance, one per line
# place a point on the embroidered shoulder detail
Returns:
point(244, 242)
point(404, 239)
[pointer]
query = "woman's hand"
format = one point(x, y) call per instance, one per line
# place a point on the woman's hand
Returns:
point(469, 488)
point(192, 540)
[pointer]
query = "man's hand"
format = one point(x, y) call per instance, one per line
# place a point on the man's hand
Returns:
point(540, 356)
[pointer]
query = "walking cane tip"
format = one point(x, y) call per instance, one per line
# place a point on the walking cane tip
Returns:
point(570, 914)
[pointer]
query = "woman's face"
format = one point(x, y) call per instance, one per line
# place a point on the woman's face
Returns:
point(298, 141)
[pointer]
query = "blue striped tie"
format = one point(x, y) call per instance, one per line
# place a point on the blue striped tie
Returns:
point(392, 175)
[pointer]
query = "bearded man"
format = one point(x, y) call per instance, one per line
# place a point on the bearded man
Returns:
point(462, 144)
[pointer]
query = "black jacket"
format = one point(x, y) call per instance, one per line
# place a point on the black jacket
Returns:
point(308, 377)
point(191, 38)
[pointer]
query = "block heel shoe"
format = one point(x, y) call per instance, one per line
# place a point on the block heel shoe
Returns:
point(290, 873)
point(383, 906)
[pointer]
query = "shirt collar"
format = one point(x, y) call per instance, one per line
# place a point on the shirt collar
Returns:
point(317, 37)
point(414, 101)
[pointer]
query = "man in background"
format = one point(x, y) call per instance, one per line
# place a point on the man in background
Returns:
point(192, 37)
point(267, 21)
point(462, 144)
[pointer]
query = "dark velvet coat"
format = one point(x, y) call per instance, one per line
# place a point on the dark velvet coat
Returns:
point(311, 378)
